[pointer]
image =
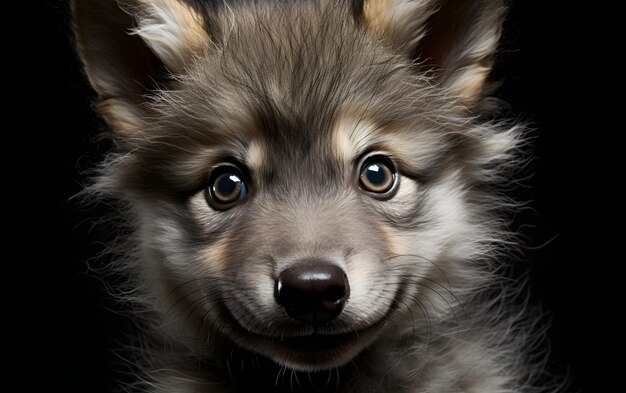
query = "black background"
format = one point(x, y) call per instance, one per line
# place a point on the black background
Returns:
point(64, 319)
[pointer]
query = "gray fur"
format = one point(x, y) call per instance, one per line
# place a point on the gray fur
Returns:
point(298, 92)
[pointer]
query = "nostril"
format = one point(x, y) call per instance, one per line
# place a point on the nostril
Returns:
point(313, 291)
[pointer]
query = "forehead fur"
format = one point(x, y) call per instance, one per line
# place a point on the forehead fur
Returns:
point(287, 71)
point(306, 79)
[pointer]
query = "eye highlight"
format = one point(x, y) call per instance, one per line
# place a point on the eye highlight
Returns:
point(226, 187)
point(378, 175)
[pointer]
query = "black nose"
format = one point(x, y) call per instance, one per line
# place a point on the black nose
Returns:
point(313, 291)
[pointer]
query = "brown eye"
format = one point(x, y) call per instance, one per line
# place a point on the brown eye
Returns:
point(378, 175)
point(226, 187)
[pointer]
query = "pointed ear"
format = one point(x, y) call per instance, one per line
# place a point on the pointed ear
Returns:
point(129, 48)
point(454, 38)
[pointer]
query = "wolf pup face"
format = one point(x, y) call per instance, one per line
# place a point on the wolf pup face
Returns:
point(307, 180)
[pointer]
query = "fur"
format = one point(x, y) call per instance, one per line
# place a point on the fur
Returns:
point(296, 93)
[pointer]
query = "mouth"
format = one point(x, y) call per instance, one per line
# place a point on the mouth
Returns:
point(316, 342)
point(312, 352)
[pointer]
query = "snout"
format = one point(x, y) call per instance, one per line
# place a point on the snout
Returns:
point(312, 291)
point(316, 319)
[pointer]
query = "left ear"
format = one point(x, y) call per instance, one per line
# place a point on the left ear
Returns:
point(454, 38)
point(131, 48)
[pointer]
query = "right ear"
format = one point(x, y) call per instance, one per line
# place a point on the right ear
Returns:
point(456, 39)
point(129, 47)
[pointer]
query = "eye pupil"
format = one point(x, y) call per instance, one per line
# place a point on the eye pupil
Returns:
point(226, 186)
point(375, 174)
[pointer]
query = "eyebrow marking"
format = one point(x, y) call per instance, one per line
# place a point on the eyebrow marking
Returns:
point(255, 155)
point(417, 150)
point(353, 135)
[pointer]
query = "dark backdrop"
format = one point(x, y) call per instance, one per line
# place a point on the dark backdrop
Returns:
point(64, 319)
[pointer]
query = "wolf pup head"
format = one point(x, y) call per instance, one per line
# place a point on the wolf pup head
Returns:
point(306, 180)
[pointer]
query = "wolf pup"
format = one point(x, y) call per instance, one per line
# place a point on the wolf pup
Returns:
point(314, 197)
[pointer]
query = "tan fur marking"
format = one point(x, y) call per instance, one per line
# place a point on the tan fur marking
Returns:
point(352, 133)
point(255, 155)
point(173, 30)
point(214, 256)
point(395, 240)
point(194, 34)
point(469, 85)
point(343, 143)
point(121, 115)
point(375, 13)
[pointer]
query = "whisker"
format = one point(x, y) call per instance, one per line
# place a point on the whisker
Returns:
point(423, 259)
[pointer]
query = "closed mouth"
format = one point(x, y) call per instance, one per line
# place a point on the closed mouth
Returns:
point(316, 342)
point(312, 352)
point(310, 343)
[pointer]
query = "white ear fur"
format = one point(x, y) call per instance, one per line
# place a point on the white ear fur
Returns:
point(456, 38)
point(172, 30)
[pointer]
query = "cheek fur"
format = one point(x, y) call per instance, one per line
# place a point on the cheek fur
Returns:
point(397, 242)
point(214, 256)
point(445, 211)
point(402, 210)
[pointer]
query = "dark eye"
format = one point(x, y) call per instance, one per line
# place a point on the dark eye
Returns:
point(226, 187)
point(378, 174)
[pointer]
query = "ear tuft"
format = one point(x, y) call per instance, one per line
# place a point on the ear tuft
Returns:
point(172, 29)
point(131, 48)
point(455, 38)
point(403, 22)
